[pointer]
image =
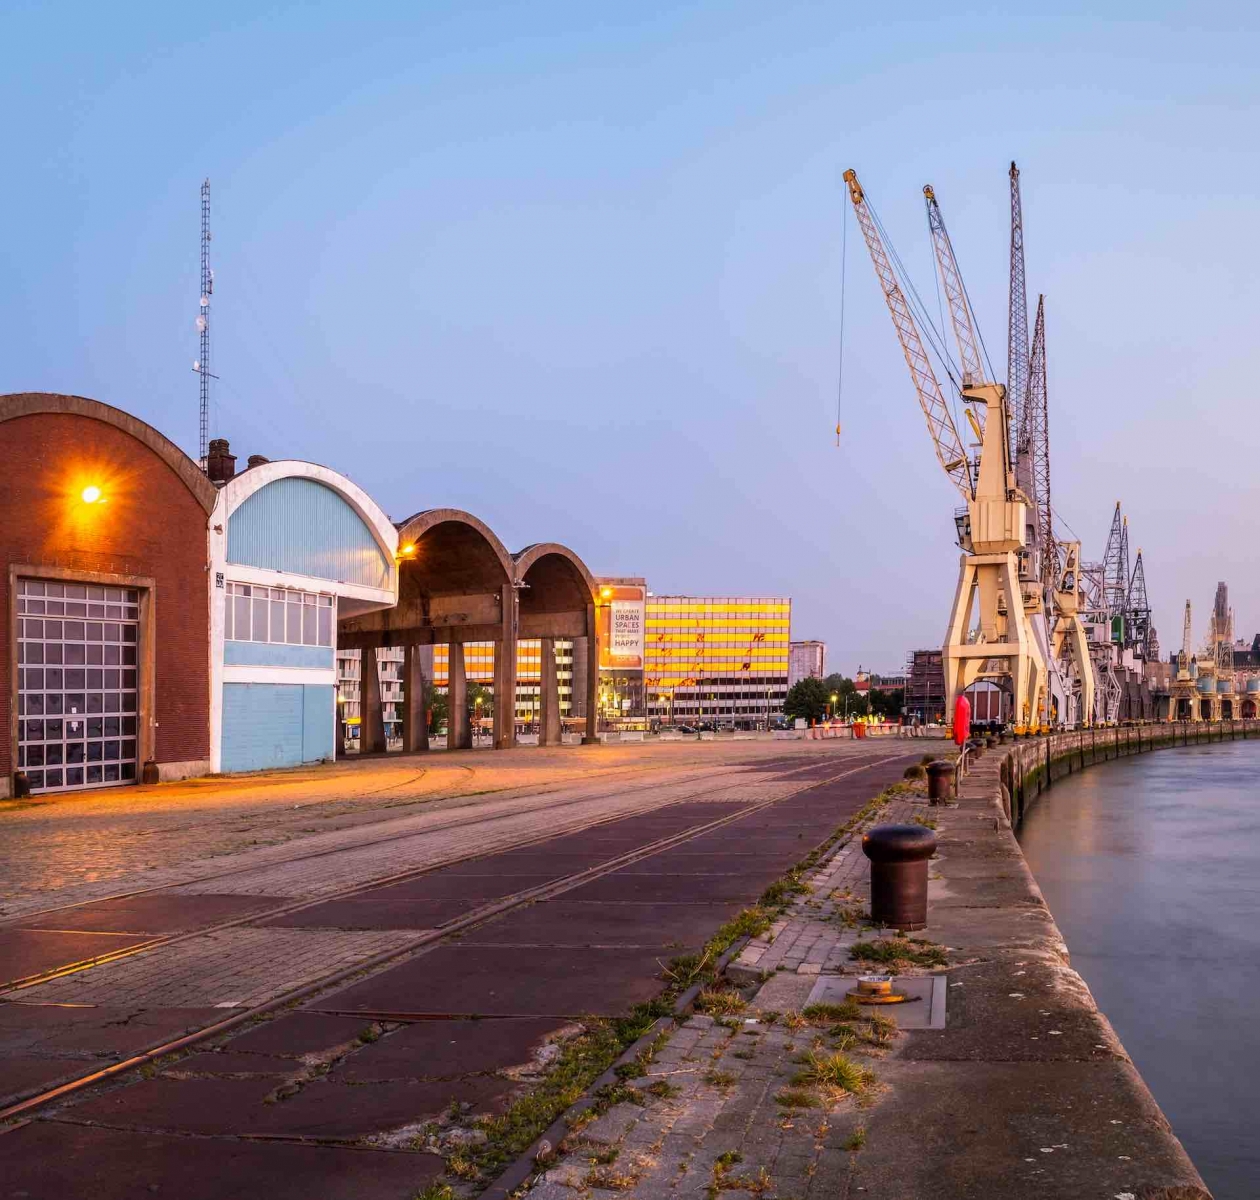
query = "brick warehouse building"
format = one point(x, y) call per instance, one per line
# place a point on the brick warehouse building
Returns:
point(105, 650)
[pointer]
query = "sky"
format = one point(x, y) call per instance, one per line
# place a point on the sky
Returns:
point(581, 269)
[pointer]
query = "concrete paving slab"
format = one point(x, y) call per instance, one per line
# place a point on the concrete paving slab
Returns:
point(299, 1033)
point(567, 922)
point(687, 889)
point(25, 952)
point(107, 1031)
point(49, 1160)
point(230, 1062)
point(503, 981)
point(326, 1109)
point(428, 1050)
point(364, 913)
point(24, 1073)
point(1056, 1131)
point(441, 886)
point(1017, 1007)
point(161, 912)
point(924, 1007)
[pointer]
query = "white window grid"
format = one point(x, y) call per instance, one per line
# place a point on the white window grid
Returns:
point(289, 616)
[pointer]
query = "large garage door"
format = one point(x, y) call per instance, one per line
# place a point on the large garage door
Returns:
point(77, 684)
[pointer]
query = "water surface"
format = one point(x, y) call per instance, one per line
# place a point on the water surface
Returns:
point(1151, 866)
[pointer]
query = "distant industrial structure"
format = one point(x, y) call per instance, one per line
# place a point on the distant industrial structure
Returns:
point(1221, 681)
point(806, 660)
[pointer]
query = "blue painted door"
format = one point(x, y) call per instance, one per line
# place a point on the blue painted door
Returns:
point(276, 725)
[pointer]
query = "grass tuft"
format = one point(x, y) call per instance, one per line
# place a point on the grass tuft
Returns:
point(796, 1097)
point(835, 1070)
point(824, 1013)
point(897, 952)
point(723, 1002)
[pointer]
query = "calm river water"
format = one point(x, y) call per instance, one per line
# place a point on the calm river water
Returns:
point(1151, 866)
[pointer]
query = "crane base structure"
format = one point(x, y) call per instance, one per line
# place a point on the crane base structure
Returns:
point(1001, 647)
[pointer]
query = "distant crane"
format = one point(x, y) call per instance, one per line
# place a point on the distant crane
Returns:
point(991, 530)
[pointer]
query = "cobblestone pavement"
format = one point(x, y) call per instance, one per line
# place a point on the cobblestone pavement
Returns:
point(85, 846)
point(718, 1108)
point(229, 968)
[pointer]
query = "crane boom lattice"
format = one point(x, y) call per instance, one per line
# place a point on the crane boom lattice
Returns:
point(1017, 335)
point(960, 314)
point(945, 439)
point(1037, 445)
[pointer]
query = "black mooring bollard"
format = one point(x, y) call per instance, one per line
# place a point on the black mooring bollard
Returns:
point(21, 786)
point(899, 873)
point(940, 776)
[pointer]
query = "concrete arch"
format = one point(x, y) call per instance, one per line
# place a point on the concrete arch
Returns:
point(454, 553)
point(26, 404)
point(552, 578)
point(557, 598)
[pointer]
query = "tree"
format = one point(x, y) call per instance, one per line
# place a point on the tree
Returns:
point(807, 698)
point(887, 703)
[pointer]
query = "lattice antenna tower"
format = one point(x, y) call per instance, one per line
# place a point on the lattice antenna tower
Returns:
point(1017, 336)
point(202, 365)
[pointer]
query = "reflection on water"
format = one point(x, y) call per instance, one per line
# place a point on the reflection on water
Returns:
point(1151, 866)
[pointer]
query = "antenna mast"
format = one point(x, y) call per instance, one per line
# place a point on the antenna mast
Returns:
point(202, 365)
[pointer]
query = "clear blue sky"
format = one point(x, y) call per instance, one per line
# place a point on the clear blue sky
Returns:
point(577, 268)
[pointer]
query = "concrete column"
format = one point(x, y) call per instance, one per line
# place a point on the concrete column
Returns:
point(458, 730)
point(549, 689)
point(505, 673)
point(415, 729)
point(592, 679)
point(371, 711)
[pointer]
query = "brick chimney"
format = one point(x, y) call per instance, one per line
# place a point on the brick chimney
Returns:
point(220, 462)
point(256, 460)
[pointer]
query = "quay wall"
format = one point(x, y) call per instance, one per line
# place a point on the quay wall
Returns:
point(1032, 765)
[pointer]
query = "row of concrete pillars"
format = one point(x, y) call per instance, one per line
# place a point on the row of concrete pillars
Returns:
point(459, 732)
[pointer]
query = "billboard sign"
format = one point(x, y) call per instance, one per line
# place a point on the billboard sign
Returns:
point(621, 622)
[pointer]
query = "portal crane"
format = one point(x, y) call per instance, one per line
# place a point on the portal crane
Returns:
point(991, 530)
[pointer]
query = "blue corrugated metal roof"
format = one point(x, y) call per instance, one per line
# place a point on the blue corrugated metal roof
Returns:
point(301, 526)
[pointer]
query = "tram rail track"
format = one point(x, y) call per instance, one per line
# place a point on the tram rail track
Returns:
point(20, 1106)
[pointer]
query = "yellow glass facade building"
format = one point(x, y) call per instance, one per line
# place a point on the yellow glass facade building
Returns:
point(479, 668)
point(718, 659)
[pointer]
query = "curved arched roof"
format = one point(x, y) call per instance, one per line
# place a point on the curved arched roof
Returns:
point(27, 404)
point(558, 580)
point(240, 487)
point(455, 552)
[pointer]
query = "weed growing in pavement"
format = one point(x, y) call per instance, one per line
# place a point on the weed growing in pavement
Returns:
point(836, 1071)
point(899, 952)
point(723, 1002)
point(857, 1139)
point(918, 771)
point(745, 1054)
point(662, 1089)
point(796, 1097)
point(613, 1181)
point(461, 1165)
point(436, 1191)
point(722, 1079)
point(822, 1013)
point(926, 822)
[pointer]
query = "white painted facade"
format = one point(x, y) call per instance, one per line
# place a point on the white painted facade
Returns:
point(349, 599)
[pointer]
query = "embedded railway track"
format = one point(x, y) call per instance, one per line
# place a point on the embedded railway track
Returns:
point(22, 1105)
